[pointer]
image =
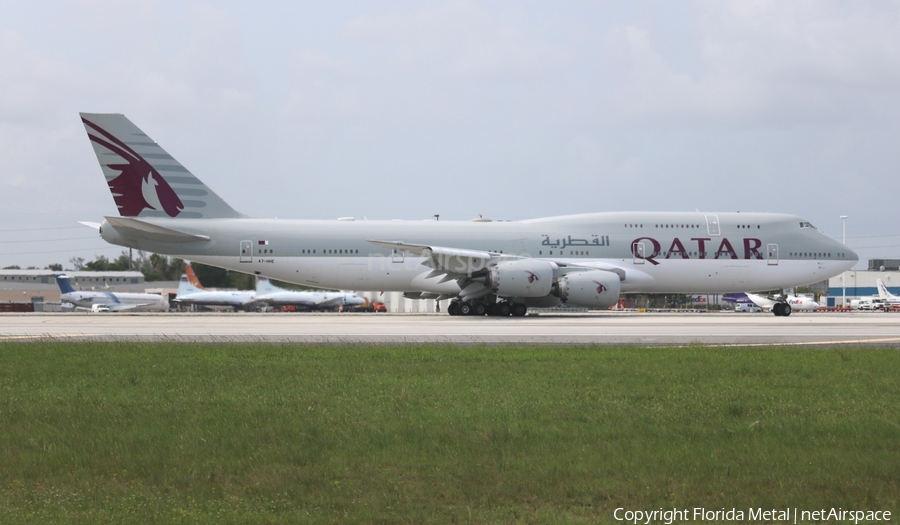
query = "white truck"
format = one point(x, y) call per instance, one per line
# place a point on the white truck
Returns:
point(869, 303)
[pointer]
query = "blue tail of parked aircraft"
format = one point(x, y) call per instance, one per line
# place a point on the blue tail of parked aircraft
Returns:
point(63, 281)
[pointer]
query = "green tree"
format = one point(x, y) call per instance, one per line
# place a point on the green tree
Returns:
point(213, 277)
point(56, 267)
point(156, 267)
point(102, 264)
point(77, 263)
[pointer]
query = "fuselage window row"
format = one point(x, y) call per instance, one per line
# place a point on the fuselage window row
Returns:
point(337, 252)
point(814, 255)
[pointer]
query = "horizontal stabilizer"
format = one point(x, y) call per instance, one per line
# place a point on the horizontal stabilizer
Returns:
point(144, 230)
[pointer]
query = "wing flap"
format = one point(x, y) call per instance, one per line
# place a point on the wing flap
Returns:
point(443, 259)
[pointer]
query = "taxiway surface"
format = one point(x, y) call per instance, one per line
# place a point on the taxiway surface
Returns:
point(599, 328)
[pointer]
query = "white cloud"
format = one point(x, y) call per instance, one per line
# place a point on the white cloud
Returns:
point(773, 64)
point(459, 39)
point(709, 104)
point(33, 83)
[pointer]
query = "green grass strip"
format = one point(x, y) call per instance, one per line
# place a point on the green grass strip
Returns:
point(194, 433)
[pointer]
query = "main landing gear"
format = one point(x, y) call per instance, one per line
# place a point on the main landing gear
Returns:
point(781, 309)
point(501, 309)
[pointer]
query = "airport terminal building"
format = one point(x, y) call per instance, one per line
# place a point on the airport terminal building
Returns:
point(856, 284)
point(77, 278)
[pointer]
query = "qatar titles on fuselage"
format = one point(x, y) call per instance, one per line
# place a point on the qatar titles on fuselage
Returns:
point(585, 259)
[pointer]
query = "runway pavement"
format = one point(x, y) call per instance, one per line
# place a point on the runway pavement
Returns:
point(597, 328)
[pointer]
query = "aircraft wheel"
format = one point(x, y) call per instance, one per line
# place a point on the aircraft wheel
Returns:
point(778, 309)
point(453, 309)
point(786, 311)
point(519, 309)
point(465, 309)
point(502, 309)
point(479, 309)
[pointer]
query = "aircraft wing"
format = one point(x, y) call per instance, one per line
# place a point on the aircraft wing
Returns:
point(763, 302)
point(282, 299)
point(459, 264)
point(119, 307)
point(460, 260)
point(328, 303)
point(444, 259)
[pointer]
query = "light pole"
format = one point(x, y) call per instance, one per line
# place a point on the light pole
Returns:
point(844, 274)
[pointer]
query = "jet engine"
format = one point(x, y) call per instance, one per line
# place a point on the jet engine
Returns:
point(593, 289)
point(521, 278)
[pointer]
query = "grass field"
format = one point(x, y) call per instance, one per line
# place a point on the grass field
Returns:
point(187, 433)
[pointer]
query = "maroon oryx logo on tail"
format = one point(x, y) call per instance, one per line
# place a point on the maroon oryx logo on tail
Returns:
point(532, 277)
point(600, 287)
point(138, 186)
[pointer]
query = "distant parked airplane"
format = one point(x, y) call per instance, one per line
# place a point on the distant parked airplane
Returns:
point(737, 298)
point(784, 305)
point(188, 293)
point(109, 301)
point(192, 277)
point(483, 266)
point(271, 295)
point(889, 298)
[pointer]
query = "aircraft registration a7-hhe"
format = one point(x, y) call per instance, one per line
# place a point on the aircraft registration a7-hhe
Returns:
point(486, 267)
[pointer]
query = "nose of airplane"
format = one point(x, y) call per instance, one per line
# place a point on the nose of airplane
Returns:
point(847, 255)
point(850, 258)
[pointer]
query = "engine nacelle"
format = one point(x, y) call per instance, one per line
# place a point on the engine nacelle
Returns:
point(593, 289)
point(521, 278)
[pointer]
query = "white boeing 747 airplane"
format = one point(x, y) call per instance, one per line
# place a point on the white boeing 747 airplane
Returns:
point(493, 267)
point(109, 301)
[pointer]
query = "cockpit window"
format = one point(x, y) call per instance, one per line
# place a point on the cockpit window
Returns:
point(806, 225)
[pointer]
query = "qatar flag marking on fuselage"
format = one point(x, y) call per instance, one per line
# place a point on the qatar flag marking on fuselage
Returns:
point(139, 186)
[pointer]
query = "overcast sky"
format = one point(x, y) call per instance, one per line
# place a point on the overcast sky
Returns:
point(510, 110)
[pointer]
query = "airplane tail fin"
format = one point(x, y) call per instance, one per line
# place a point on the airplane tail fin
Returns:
point(736, 298)
point(192, 277)
point(63, 281)
point(185, 287)
point(145, 180)
point(882, 290)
